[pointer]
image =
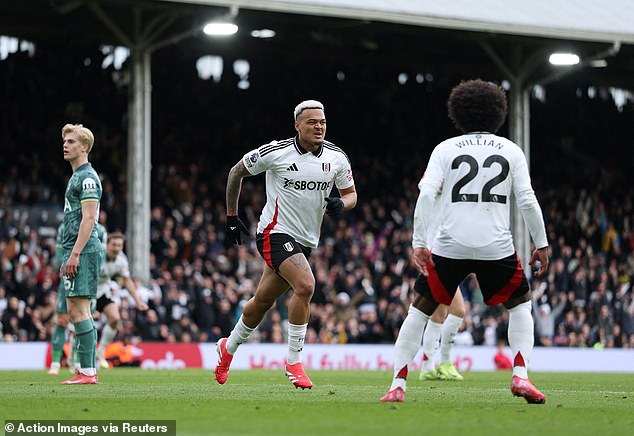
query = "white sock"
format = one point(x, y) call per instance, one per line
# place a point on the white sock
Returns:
point(88, 371)
point(55, 365)
point(407, 345)
point(107, 335)
point(296, 335)
point(239, 335)
point(448, 337)
point(521, 337)
point(430, 344)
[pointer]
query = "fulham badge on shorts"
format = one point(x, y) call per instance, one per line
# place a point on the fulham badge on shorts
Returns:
point(288, 246)
point(325, 167)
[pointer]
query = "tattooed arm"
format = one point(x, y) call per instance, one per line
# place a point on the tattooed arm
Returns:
point(234, 184)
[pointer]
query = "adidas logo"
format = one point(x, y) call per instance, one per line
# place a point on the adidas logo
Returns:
point(293, 167)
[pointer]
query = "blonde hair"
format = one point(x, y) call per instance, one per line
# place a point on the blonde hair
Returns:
point(84, 135)
point(306, 104)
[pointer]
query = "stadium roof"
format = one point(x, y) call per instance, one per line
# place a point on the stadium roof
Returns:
point(456, 39)
point(596, 20)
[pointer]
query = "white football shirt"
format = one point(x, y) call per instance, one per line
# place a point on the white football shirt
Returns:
point(475, 175)
point(297, 182)
point(110, 269)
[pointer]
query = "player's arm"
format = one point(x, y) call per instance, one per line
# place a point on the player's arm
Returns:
point(234, 225)
point(422, 254)
point(88, 217)
point(131, 287)
point(234, 185)
point(531, 212)
point(430, 186)
point(349, 197)
point(335, 206)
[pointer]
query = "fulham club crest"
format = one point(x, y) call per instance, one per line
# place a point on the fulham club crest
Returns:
point(325, 167)
point(288, 246)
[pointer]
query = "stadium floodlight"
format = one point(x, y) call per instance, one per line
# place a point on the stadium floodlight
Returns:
point(563, 59)
point(220, 28)
point(263, 33)
point(223, 25)
point(599, 63)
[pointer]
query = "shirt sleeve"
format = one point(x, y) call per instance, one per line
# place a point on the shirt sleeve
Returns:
point(429, 186)
point(527, 202)
point(344, 178)
point(90, 189)
point(255, 162)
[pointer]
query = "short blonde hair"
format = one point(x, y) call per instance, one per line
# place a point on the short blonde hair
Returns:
point(84, 135)
point(306, 104)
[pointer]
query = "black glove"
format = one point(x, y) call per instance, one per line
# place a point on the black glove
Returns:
point(334, 206)
point(234, 228)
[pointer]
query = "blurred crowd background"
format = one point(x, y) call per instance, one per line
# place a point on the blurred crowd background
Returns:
point(581, 165)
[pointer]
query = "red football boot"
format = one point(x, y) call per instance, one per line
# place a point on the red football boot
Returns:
point(82, 379)
point(297, 376)
point(522, 387)
point(224, 361)
point(396, 395)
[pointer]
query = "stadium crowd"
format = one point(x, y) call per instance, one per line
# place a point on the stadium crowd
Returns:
point(362, 267)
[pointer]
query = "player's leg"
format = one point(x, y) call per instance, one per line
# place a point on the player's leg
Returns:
point(431, 338)
point(81, 289)
point(59, 334)
point(297, 272)
point(59, 337)
point(446, 369)
point(109, 332)
point(270, 287)
point(504, 282)
point(407, 345)
point(86, 337)
point(438, 288)
point(73, 361)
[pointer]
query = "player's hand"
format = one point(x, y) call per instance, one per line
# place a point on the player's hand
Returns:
point(234, 229)
point(334, 206)
point(72, 265)
point(422, 257)
point(540, 260)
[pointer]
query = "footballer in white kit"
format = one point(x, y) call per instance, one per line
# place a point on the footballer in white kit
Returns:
point(297, 181)
point(115, 266)
point(476, 176)
point(110, 270)
point(301, 172)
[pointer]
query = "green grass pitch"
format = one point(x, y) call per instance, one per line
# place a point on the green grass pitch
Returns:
point(261, 402)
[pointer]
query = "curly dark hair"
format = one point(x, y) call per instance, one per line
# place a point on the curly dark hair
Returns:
point(477, 106)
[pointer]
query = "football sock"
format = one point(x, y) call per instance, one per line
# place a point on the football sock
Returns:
point(86, 343)
point(239, 334)
point(57, 343)
point(430, 344)
point(407, 345)
point(72, 349)
point(448, 336)
point(296, 335)
point(107, 336)
point(520, 334)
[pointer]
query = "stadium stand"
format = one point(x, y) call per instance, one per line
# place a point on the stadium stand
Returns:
point(362, 266)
